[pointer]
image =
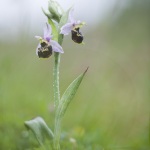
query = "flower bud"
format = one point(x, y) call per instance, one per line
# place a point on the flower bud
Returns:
point(47, 14)
point(55, 9)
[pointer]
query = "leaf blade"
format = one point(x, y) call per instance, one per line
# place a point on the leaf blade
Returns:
point(39, 129)
point(69, 95)
point(54, 29)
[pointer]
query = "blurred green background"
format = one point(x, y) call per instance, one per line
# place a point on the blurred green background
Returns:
point(111, 108)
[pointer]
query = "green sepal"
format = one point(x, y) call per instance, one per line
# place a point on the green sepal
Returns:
point(39, 129)
point(69, 95)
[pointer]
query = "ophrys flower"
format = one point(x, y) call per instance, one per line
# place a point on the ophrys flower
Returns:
point(73, 26)
point(46, 45)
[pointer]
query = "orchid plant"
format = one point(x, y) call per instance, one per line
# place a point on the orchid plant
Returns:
point(60, 23)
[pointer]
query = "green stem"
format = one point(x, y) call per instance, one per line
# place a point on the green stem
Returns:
point(57, 132)
point(56, 80)
point(57, 128)
point(57, 125)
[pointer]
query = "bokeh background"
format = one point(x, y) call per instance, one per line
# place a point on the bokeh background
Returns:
point(111, 108)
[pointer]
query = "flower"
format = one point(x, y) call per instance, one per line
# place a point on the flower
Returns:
point(46, 45)
point(73, 26)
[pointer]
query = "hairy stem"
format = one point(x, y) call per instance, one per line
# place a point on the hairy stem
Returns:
point(57, 132)
point(57, 126)
point(56, 80)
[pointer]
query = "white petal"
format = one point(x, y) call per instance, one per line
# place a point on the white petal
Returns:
point(56, 47)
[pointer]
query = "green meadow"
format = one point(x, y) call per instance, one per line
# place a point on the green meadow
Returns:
point(111, 108)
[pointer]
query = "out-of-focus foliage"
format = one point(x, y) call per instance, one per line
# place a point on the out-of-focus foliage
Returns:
point(111, 108)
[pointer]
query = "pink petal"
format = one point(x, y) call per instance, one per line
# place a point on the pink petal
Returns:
point(66, 29)
point(71, 16)
point(56, 47)
point(47, 32)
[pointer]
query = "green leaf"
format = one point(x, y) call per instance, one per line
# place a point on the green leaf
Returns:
point(69, 95)
point(39, 129)
point(54, 29)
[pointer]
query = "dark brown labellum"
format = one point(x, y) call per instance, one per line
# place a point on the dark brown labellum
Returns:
point(76, 35)
point(45, 50)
